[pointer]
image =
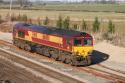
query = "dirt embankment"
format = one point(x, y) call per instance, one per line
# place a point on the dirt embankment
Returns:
point(119, 40)
point(6, 27)
point(115, 39)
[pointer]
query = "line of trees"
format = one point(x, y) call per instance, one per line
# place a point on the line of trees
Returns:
point(18, 18)
point(65, 23)
point(96, 25)
point(111, 27)
point(22, 3)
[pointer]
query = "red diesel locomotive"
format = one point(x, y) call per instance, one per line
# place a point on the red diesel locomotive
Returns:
point(68, 46)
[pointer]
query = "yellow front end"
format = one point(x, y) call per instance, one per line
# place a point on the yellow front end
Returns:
point(82, 50)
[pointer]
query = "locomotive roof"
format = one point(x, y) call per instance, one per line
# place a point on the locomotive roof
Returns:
point(50, 30)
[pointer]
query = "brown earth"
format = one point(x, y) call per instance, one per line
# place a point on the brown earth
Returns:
point(6, 27)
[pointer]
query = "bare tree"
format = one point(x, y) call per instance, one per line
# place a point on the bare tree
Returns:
point(103, 1)
point(1, 1)
point(23, 2)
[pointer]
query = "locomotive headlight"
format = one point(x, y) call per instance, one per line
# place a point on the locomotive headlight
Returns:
point(76, 53)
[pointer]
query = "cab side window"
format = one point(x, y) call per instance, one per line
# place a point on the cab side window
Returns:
point(21, 34)
point(77, 42)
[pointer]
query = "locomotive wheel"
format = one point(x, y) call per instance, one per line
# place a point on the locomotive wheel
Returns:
point(22, 46)
point(88, 60)
point(50, 53)
point(62, 57)
point(85, 62)
point(56, 58)
point(46, 52)
point(27, 47)
point(73, 63)
point(17, 44)
point(67, 61)
point(54, 55)
point(38, 50)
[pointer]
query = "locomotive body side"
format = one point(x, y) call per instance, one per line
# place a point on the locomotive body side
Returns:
point(74, 49)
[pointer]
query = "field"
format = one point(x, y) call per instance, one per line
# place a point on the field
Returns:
point(86, 7)
point(76, 7)
point(75, 17)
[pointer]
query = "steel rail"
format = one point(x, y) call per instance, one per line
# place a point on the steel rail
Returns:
point(42, 68)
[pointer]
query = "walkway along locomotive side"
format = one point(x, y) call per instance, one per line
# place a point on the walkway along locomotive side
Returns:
point(68, 46)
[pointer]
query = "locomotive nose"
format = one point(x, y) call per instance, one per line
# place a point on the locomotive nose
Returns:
point(83, 51)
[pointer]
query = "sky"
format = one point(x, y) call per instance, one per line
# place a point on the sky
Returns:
point(71, 0)
point(67, 0)
point(62, 0)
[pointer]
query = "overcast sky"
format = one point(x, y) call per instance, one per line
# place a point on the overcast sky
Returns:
point(70, 0)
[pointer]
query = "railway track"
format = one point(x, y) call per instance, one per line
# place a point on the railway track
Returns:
point(105, 74)
point(16, 74)
point(9, 71)
point(116, 77)
point(94, 71)
point(46, 71)
point(119, 71)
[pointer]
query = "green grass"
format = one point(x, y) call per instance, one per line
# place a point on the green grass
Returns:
point(77, 7)
point(86, 7)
